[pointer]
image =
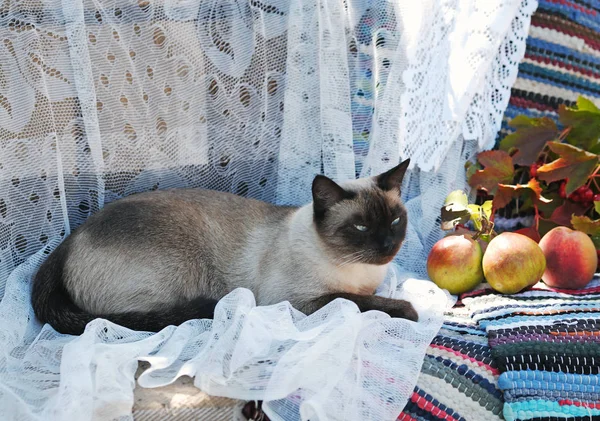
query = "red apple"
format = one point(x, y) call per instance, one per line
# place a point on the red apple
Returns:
point(571, 258)
point(454, 263)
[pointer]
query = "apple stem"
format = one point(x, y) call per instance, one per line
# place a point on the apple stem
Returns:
point(537, 218)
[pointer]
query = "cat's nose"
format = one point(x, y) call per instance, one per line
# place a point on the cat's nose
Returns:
point(388, 245)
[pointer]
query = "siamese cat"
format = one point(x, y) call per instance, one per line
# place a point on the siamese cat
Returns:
point(161, 258)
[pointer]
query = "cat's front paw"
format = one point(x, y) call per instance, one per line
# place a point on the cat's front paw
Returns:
point(403, 310)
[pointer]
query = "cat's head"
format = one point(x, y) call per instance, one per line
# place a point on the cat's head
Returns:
point(364, 221)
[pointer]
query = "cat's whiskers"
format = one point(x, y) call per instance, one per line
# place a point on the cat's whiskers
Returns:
point(347, 257)
point(354, 257)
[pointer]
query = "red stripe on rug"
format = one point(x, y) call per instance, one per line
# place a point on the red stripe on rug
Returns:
point(525, 103)
point(405, 417)
point(568, 402)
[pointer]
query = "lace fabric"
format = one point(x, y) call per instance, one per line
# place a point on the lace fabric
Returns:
point(100, 99)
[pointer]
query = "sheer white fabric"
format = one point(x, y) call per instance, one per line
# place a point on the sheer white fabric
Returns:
point(100, 99)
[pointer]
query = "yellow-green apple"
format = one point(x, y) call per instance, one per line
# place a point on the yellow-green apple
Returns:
point(513, 262)
point(454, 263)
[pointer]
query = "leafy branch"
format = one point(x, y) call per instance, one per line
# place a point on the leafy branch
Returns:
point(543, 169)
point(457, 211)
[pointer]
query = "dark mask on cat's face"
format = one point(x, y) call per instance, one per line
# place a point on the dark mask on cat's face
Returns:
point(364, 222)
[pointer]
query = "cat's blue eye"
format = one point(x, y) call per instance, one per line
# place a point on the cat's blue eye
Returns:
point(361, 228)
point(396, 221)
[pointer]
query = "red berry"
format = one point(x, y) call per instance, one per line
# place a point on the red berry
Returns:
point(533, 170)
point(597, 197)
point(562, 191)
point(583, 195)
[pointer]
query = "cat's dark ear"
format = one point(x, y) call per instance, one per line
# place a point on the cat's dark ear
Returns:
point(392, 179)
point(326, 193)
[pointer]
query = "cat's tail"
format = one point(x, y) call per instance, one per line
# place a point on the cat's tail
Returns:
point(52, 304)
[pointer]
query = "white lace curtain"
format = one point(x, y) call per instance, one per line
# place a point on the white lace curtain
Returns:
point(103, 98)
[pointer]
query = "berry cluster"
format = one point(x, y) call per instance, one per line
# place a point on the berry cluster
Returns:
point(583, 194)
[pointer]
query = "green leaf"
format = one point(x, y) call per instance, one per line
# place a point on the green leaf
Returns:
point(487, 208)
point(455, 210)
point(498, 169)
point(573, 164)
point(531, 136)
point(476, 216)
point(471, 169)
point(475, 209)
point(451, 217)
point(597, 206)
point(584, 122)
point(596, 240)
point(584, 104)
point(586, 225)
point(526, 204)
point(507, 192)
point(570, 152)
point(457, 197)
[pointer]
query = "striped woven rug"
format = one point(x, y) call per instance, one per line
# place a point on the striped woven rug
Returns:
point(532, 356)
point(546, 344)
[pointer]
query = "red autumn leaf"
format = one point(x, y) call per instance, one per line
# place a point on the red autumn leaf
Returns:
point(573, 164)
point(531, 136)
point(562, 215)
point(498, 169)
point(507, 192)
point(531, 233)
